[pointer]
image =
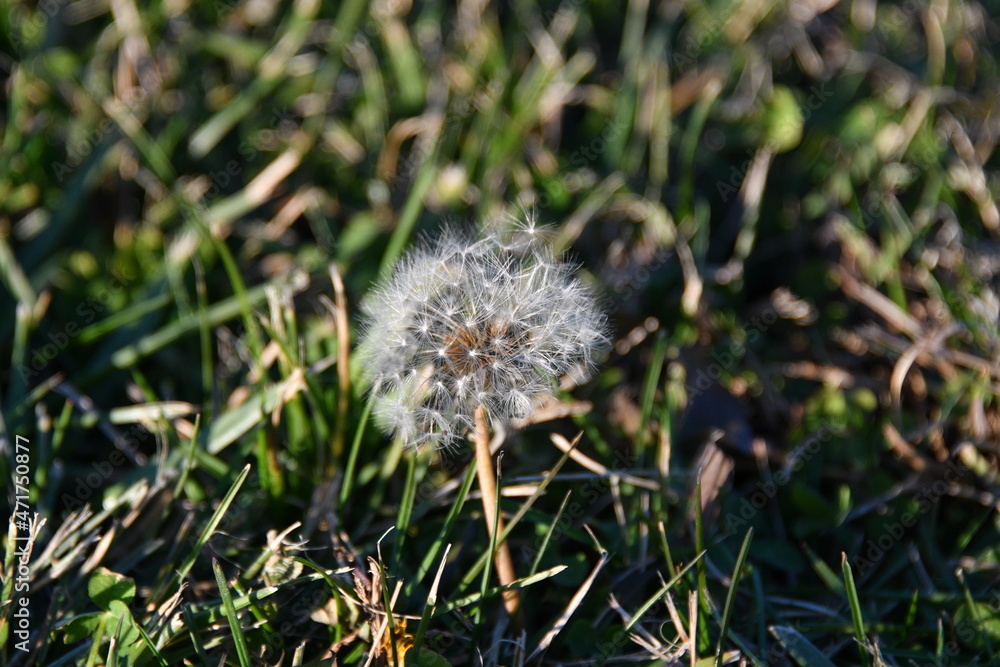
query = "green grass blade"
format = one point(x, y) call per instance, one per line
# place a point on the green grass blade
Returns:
point(411, 211)
point(497, 590)
point(824, 571)
point(95, 645)
point(219, 313)
point(855, 604)
point(548, 534)
point(431, 604)
point(189, 460)
point(271, 71)
point(704, 603)
point(13, 276)
point(481, 563)
point(490, 556)
point(242, 652)
point(649, 394)
point(800, 648)
point(352, 458)
point(727, 611)
point(974, 613)
point(123, 318)
point(405, 504)
point(648, 604)
point(449, 522)
point(194, 634)
point(213, 523)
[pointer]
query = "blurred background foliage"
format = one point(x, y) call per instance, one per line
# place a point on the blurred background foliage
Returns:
point(789, 209)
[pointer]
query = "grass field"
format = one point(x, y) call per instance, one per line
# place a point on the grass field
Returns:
point(789, 455)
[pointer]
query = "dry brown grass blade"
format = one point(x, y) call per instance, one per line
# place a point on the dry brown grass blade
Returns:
point(907, 452)
point(713, 470)
point(565, 446)
point(574, 602)
point(883, 306)
point(343, 360)
point(693, 627)
point(928, 343)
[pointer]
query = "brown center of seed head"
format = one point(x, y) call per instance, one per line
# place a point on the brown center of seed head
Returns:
point(471, 349)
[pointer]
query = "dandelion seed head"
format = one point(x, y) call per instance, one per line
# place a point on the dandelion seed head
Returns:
point(492, 319)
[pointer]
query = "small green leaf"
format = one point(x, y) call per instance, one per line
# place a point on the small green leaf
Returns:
point(82, 626)
point(800, 648)
point(983, 619)
point(783, 120)
point(124, 627)
point(106, 586)
point(424, 658)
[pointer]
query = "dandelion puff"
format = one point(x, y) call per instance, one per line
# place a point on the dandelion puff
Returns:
point(492, 320)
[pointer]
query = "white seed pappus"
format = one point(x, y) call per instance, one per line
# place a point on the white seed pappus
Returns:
point(492, 319)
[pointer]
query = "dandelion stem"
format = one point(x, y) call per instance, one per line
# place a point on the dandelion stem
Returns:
point(487, 484)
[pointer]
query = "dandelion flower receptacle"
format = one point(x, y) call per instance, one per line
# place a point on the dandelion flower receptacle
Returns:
point(490, 320)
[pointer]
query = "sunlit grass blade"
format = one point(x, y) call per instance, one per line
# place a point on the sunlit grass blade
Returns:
point(481, 563)
point(475, 598)
point(13, 276)
point(855, 605)
point(218, 313)
point(649, 393)
point(347, 485)
point(983, 629)
point(491, 554)
point(431, 604)
point(405, 505)
point(209, 529)
point(824, 571)
point(453, 513)
point(411, 212)
point(242, 652)
point(536, 561)
point(648, 604)
point(727, 610)
point(271, 70)
point(194, 634)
